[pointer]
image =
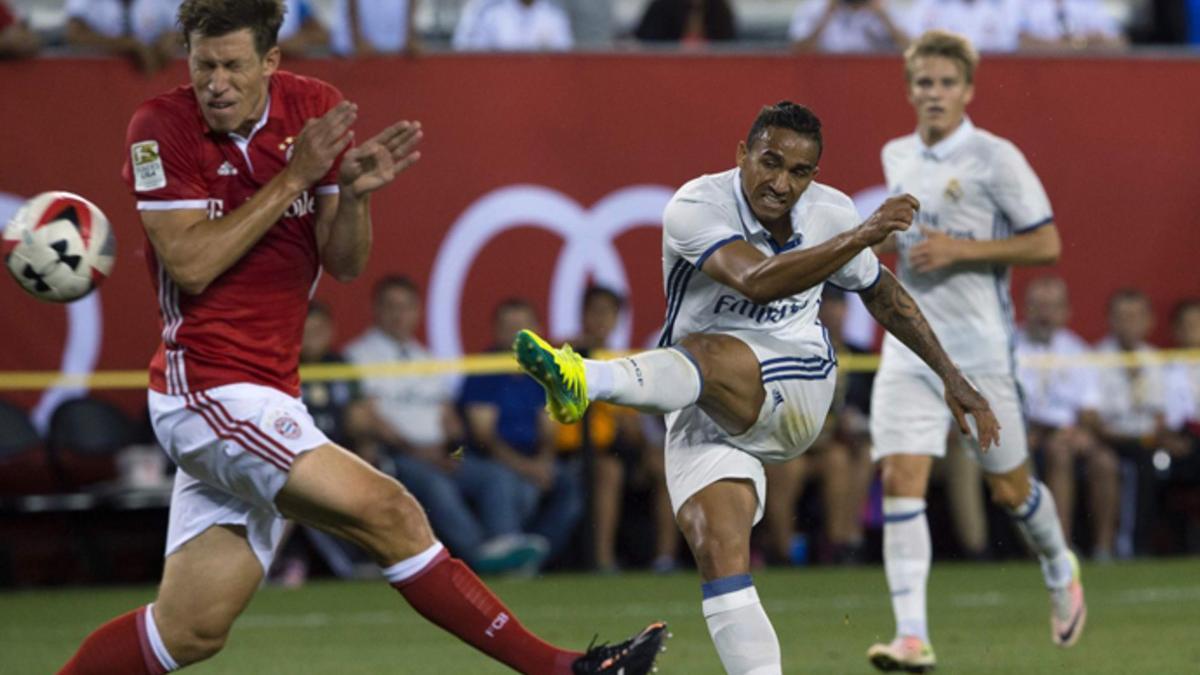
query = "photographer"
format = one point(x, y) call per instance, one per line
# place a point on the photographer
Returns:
point(846, 26)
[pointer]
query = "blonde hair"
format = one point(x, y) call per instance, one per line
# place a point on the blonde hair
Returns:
point(944, 44)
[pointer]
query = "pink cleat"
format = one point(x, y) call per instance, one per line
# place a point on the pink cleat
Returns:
point(907, 653)
point(1068, 611)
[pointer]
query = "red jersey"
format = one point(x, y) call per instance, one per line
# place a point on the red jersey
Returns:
point(247, 324)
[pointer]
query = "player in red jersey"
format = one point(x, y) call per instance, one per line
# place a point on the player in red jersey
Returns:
point(248, 184)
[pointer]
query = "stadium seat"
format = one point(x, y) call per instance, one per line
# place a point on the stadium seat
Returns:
point(84, 437)
point(24, 466)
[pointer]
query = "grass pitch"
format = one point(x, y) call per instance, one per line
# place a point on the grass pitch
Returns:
point(1144, 617)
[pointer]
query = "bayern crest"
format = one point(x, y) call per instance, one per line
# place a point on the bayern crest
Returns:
point(287, 427)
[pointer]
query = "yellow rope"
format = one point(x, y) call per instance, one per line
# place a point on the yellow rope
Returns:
point(28, 380)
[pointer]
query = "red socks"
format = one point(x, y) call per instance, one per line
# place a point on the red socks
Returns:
point(119, 647)
point(449, 594)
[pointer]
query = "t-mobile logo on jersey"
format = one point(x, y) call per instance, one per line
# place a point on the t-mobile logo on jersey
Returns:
point(497, 624)
point(304, 205)
point(216, 208)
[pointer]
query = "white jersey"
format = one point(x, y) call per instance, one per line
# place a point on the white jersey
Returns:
point(710, 212)
point(1054, 396)
point(972, 185)
point(1134, 398)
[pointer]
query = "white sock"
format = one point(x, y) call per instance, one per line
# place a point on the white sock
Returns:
point(407, 568)
point(906, 556)
point(1037, 521)
point(740, 630)
point(658, 381)
point(156, 643)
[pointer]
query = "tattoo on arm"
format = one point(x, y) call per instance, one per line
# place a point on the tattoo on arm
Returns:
point(899, 314)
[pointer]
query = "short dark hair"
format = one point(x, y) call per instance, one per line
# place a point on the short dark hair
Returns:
point(1127, 294)
point(509, 304)
point(787, 115)
point(594, 293)
point(213, 18)
point(393, 281)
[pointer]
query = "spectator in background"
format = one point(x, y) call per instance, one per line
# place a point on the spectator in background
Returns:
point(1069, 24)
point(1183, 399)
point(1060, 411)
point(16, 39)
point(302, 31)
point(369, 27)
point(689, 22)
point(840, 457)
point(513, 25)
point(143, 31)
point(616, 435)
point(846, 26)
point(417, 426)
point(1132, 415)
point(591, 22)
point(990, 25)
point(507, 424)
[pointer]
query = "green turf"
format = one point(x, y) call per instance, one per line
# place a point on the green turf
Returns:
point(1143, 618)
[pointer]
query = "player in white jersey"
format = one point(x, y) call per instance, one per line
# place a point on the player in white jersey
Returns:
point(982, 210)
point(745, 372)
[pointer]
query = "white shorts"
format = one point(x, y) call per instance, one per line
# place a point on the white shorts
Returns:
point(909, 416)
point(798, 379)
point(234, 446)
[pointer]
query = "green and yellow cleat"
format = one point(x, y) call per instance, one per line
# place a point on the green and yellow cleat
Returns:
point(559, 371)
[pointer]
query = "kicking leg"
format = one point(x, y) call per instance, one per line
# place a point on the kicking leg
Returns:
point(716, 523)
point(206, 585)
point(336, 491)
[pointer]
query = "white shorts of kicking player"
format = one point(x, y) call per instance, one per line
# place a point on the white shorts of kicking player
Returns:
point(798, 379)
point(909, 416)
point(234, 446)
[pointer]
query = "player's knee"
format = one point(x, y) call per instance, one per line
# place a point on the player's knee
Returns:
point(901, 481)
point(390, 511)
point(1009, 494)
point(203, 637)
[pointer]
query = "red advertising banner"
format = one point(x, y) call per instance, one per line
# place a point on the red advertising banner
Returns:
point(542, 173)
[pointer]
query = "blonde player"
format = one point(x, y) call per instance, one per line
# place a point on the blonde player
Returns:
point(982, 210)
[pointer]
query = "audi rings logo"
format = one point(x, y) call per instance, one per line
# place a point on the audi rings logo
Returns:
point(588, 252)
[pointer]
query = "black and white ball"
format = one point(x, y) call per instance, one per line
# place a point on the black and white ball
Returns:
point(59, 246)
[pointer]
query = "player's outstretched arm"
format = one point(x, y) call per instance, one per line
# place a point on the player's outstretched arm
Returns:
point(896, 311)
point(345, 238)
point(764, 278)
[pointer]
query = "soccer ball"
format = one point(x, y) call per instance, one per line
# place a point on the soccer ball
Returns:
point(59, 246)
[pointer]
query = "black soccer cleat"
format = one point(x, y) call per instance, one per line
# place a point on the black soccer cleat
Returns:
point(634, 656)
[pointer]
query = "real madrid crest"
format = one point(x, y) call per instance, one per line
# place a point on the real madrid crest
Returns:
point(953, 191)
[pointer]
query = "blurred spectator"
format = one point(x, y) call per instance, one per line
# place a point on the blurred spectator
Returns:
point(1183, 399)
point(616, 435)
point(1069, 24)
point(506, 423)
point(16, 40)
point(302, 31)
point(368, 27)
point(418, 425)
point(990, 25)
point(1060, 410)
point(591, 22)
point(846, 26)
point(689, 22)
point(142, 30)
point(513, 25)
point(840, 457)
point(1132, 414)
